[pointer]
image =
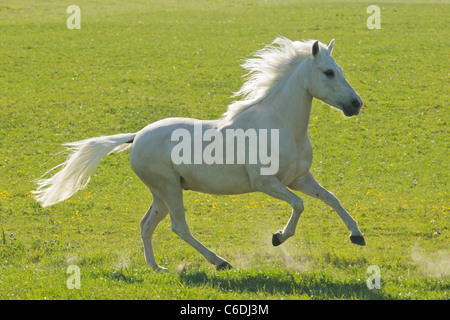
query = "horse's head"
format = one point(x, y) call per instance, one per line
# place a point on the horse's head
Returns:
point(327, 83)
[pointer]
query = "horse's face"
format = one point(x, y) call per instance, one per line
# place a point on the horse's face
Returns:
point(327, 82)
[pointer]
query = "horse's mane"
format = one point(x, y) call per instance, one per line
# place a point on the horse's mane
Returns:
point(265, 70)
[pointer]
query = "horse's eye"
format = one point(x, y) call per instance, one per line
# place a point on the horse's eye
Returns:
point(329, 73)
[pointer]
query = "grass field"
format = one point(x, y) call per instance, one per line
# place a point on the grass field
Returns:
point(135, 62)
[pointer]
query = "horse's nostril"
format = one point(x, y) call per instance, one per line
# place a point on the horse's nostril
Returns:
point(356, 104)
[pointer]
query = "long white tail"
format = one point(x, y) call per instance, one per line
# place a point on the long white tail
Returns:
point(76, 171)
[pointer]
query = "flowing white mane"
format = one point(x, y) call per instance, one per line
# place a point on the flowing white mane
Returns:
point(265, 70)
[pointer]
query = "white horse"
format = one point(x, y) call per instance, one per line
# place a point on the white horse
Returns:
point(283, 78)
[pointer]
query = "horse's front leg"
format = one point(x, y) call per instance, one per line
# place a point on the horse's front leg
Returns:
point(308, 185)
point(272, 186)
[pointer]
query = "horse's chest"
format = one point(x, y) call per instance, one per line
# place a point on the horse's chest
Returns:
point(296, 162)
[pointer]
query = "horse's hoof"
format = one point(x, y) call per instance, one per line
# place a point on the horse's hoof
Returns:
point(159, 268)
point(224, 266)
point(275, 240)
point(359, 240)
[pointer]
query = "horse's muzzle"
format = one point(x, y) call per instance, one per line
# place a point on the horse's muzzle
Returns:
point(352, 108)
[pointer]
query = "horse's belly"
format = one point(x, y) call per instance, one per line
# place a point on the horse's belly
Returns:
point(215, 178)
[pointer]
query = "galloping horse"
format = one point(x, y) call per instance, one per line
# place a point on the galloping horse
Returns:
point(282, 80)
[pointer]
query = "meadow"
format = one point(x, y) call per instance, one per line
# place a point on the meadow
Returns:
point(135, 62)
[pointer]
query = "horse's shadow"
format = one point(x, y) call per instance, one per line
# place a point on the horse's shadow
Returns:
point(312, 285)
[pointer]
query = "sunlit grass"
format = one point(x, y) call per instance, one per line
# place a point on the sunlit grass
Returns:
point(136, 62)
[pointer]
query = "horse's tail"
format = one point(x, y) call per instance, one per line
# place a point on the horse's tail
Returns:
point(76, 171)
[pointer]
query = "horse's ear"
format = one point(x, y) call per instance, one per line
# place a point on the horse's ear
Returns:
point(330, 47)
point(315, 48)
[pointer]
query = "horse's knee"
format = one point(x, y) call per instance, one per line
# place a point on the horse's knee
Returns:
point(297, 205)
point(329, 198)
point(180, 230)
point(175, 229)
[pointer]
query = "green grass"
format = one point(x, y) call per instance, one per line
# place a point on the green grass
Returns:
point(136, 62)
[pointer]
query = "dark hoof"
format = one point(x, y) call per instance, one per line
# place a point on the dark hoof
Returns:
point(224, 266)
point(275, 241)
point(359, 240)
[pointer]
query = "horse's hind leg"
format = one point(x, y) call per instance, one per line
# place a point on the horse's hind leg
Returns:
point(154, 215)
point(173, 199)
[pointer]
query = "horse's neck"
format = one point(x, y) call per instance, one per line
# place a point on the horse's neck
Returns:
point(287, 107)
point(292, 103)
